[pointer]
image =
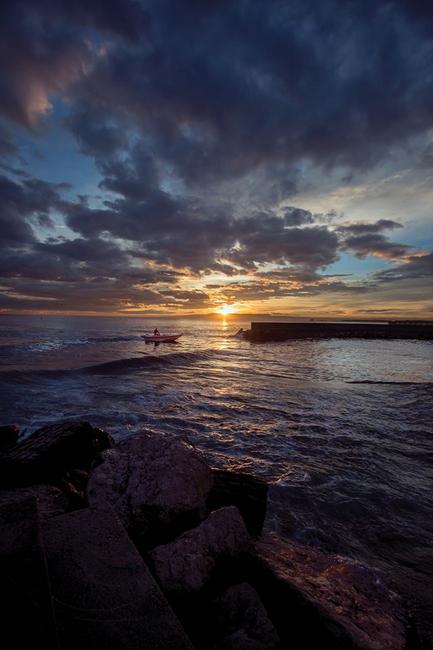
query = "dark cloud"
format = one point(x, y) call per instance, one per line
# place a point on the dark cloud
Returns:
point(415, 268)
point(46, 46)
point(193, 235)
point(266, 289)
point(135, 178)
point(99, 294)
point(97, 135)
point(365, 239)
point(19, 202)
point(297, 216)
point(369, 228)
point(39, 56)
point(266, 239)
point(222, 91)
point(375, 245)
point(222, 88)
point(7, 145)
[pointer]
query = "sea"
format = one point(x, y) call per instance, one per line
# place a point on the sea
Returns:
point(341, 428)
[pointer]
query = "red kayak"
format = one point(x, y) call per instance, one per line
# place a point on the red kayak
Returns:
point(160, 338)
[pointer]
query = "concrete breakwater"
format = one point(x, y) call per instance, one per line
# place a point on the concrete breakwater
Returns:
point(142, 544)
point(273, 331)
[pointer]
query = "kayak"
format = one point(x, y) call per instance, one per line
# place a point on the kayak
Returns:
point(161, 338)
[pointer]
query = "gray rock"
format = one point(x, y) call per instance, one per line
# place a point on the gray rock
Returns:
point(241, 621)
point(158, 486)
point(188, 563)
point(52, 450)
point(104, 596)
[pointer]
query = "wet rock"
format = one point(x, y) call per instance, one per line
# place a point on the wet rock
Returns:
point(158, 486)
point(104, 595)
point(8, 436)
point(51, 451)
point(25, 601)
point(241, 621)
point(249, 493)
point(314, 597)
point(50, 500)
point(188, 563)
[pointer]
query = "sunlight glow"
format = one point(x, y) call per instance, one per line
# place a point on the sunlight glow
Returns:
point(224, 310)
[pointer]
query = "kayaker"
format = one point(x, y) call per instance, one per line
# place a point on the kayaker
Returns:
point(155, 332)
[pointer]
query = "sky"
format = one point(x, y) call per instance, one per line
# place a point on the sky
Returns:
point(197, 156)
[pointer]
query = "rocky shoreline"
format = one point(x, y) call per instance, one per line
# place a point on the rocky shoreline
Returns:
point(143, 545)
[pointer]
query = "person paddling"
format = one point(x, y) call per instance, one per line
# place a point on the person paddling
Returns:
point(155, 332)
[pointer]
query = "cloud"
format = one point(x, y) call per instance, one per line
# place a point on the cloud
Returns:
point(276, 91)
point(297, 216)
point(267, 240)
point(205, 119)
point(20, 202)
point(97, 136)
point(375, 245)
point(369, 228)
point(416, 267)
point(366, 239)
point(7, 145)
point(46, 46)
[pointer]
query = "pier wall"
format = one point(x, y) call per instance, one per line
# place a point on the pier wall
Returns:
point(316, 330)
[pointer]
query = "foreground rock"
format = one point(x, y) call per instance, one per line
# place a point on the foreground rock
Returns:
point(51, 451)
point(158, 486)
point(249, 493)
point(187, 564)
point(329, 597)
point(104, 595)
point(8, 436)
point(241, 621)
point(25, 602)
point(49, 499)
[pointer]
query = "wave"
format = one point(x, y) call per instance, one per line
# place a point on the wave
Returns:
point(118, 366)
point(83, 340)
point(56, 343)
point(146, 361)
point(111, 339)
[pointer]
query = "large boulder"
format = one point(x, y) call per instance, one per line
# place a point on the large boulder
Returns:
point(104, 595)
point(315, 597)
point(241, 621)
point(249, 493)
point(25, 599)
point(158, 485)
point(51, 451)
point(187, 564)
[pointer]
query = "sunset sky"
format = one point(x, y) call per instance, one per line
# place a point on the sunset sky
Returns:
point(179, 156)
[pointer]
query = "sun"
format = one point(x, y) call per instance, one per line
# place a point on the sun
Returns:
point(225, 310)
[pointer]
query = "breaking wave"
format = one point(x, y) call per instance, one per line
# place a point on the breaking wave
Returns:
point(146, 361)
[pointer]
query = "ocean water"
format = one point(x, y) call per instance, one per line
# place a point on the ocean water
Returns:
point(341, 428)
